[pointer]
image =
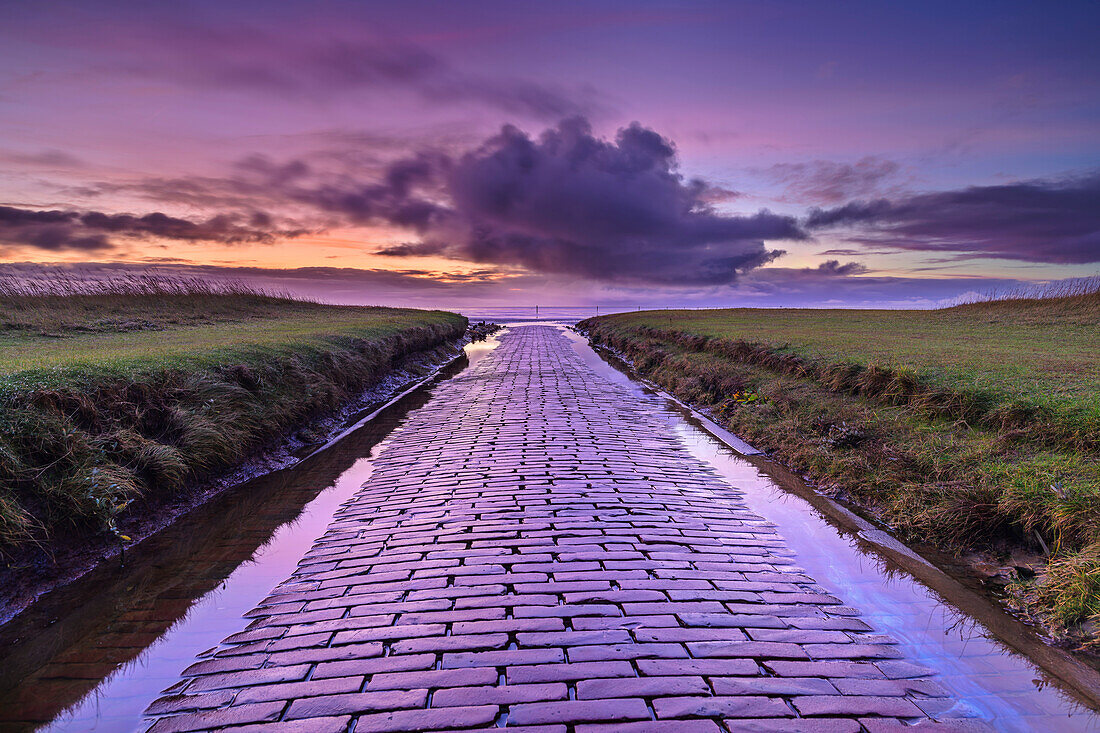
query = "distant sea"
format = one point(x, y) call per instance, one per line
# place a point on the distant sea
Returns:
point(528, 314)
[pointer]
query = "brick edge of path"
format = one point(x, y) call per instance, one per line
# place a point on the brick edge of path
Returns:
point(535, 551)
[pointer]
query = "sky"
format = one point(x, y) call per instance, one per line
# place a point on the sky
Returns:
point(625, 154)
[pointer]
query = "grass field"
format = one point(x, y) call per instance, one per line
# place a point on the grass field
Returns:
point(973, 427)
point(997, 354)
point(130, 347)
point(111, 397)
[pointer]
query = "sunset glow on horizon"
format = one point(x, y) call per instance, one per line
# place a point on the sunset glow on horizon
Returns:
point(695, 154)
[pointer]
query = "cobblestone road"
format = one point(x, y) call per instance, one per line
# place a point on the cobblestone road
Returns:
point(535, 550)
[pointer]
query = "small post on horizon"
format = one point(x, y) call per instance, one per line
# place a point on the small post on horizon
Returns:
point(536, 311)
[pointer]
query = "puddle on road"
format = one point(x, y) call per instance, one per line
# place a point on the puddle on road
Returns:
point(92, 655)
point(972, 643)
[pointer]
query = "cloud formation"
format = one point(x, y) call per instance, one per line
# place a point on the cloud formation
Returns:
point(287, 63)
point(565, 203)
point(571, 203)
point(827, 269)
point(42, 159)
point(91, 231)
point(1050, 221)
point(824, 181)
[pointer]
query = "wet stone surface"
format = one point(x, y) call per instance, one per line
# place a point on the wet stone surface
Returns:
point(535, 550)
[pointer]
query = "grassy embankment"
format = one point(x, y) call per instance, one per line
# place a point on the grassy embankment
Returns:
point(974, 427)
point(126, 391)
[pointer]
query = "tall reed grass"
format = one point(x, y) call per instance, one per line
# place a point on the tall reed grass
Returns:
point(50, 299)
point(1080, 296)
point(55, 282)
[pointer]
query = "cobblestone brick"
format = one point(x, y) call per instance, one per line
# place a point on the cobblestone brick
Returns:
point(739, 706)
point(431, 678)
point(310, 725)
point(536, 548)
point(235, 715)
point(419, 720)
point(500, 695)
point(653, 726)
point(327, 705)
point(855, 705)
point(641, 687)
point(572, 711)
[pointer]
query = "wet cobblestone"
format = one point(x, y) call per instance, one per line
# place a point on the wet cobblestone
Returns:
point(534, 550)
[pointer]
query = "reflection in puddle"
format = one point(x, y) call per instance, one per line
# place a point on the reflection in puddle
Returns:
point(939, 622)
point(990, 682)
point(92, 655)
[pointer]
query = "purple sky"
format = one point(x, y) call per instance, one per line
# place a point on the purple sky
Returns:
point(459, 154)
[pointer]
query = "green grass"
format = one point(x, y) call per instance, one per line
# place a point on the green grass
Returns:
point(60, 355)
point(110, 401)
point(999, 354)
point(971, 427)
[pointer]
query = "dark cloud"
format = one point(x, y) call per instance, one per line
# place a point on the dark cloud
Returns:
point(57, 230)
point(42, 159)
point(1051, 221)
point(850, 252)
point(565, 203)
point(719, 195)
point(341, 62)
point(833, 268)
point(396, 198)
point(571, 203)
point(829, 274)
point(408, 249)
point(49, 230)
point(823, 181)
